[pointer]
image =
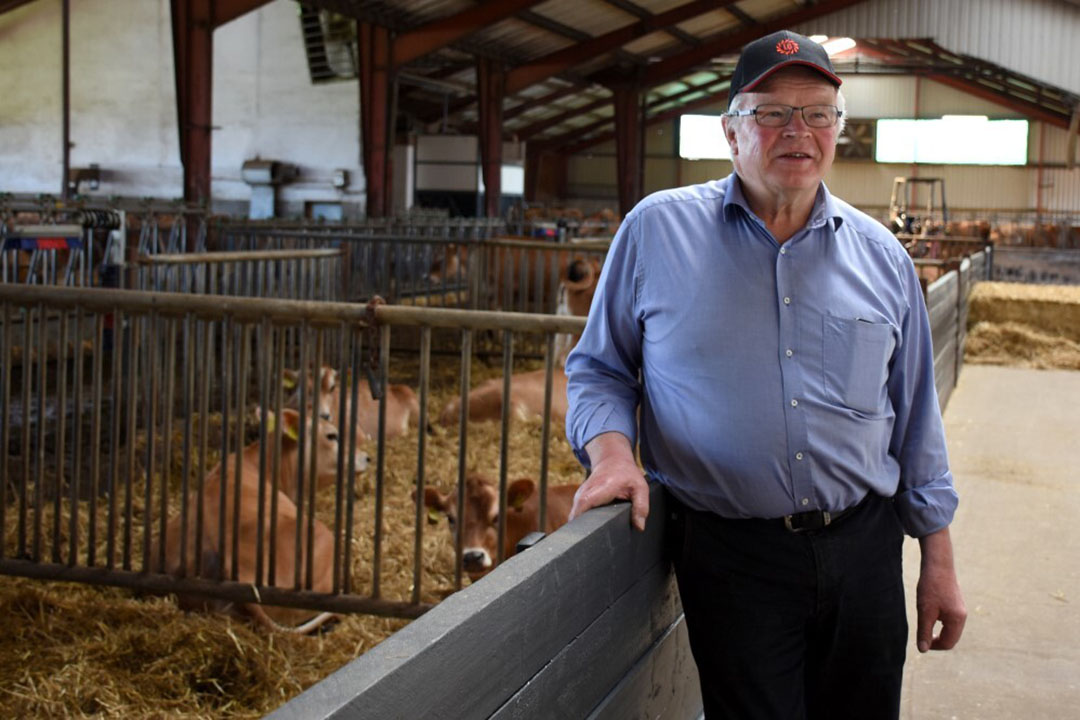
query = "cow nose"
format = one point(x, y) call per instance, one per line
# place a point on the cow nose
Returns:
point(476, 560)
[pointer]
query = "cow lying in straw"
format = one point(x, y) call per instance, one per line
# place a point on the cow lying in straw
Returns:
point(480, 548)
point(402, 406)
point(279, 530)
point(527, 389)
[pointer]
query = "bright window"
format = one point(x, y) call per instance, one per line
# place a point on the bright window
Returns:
point(701, 137)
point(953, 140)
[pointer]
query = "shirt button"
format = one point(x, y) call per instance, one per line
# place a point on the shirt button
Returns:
point(798, 456)
point(788, 352)
point(783, 251)
point(787, 301)
point(806, 501)
point(794, 403)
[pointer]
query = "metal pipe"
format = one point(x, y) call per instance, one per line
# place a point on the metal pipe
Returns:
point(65, 92)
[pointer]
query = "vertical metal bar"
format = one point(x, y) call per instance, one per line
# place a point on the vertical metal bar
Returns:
point(223, 486)
point(504, 438)
point(350, 499)
point(463, 436)
point(39, 451)
point(241, 358)
point(313, 480)
point(77, 442)
point(345, 448)
point(262, 357)
point(132, 408)
point(5, 423)
point(121, 340)
point(65, 91)
point(61, 430)
point(150, 422)
point(421, 438)
point(380, 463)
point(166, 464)
point(190, 403)
point(275, 456)
point(27, 376)
point(545, 429)
point(302, 436)
point(95, 436)
point(207, 366)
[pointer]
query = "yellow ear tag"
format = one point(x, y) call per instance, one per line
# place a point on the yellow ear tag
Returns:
point(288, 382)
point(270, 425)
point(433, 516)
point(519, 501)
point(290, 431)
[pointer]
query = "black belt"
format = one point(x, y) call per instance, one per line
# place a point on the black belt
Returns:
point(817, 519)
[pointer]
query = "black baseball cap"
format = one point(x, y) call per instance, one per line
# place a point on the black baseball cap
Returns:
point(764, 56)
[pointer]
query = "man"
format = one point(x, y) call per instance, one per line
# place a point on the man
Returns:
point(778, 346)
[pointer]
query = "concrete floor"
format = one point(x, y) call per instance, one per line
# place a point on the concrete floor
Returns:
point(1014, 444)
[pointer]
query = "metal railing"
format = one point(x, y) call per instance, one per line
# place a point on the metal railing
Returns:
point(118, 405)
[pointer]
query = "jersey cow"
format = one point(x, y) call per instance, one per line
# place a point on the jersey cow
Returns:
point(527, 388)
point(481, 517)
point(402, 406)
point(286, 524)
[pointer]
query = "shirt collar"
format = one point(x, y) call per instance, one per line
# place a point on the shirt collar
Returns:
point(824, 210)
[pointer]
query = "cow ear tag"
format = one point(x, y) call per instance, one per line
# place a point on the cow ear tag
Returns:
point(433, 516)
point(270, 424)
point(290, 431)
point(288, 382)
point(518, 502)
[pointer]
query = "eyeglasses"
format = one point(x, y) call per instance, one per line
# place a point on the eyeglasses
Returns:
point(818, 116)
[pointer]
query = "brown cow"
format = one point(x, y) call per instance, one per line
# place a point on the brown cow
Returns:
point(527, 388)
point(482, 516)
point(402, 406)
point(287, 526)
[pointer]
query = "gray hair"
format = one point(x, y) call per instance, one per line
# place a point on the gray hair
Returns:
point(741, 102)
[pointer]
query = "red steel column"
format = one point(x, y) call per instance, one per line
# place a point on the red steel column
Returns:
point(375, 121)
point(629, 142)
point(193, 52)
point(491, 85)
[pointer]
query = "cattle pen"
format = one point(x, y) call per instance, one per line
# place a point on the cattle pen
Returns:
point(117, 404)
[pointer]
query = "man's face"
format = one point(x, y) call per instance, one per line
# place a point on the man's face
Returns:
point(781, 161)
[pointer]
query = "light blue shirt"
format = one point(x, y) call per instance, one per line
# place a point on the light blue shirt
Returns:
point(771, 379)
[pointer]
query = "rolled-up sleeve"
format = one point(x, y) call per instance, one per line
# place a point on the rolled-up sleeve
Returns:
point(925, 499)
point(603, 388)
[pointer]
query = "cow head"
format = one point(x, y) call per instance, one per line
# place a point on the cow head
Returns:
point(576, 292)
point(481, 517)
point(328, 382)
point(324, 441)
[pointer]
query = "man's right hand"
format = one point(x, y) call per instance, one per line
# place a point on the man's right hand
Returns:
point(615, 476)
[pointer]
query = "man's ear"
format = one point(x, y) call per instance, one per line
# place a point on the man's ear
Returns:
point(729, 134)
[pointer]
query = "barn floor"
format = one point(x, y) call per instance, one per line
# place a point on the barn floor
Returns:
point(1012, 444)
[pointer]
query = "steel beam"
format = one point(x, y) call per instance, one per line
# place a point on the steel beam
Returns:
point(376, 74)
point(228, 10)
point(678, 65)
point(557, 62)
point(440, 33)
point(193, 55)
point(629, 145)
point(491, 88)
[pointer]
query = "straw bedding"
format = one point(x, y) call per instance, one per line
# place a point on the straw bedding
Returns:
point(1034, 326)
point(69, 650)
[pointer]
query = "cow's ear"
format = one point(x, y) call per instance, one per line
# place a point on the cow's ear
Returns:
point(518, 492)
point(290, 423)
point(434, 501)
point(329, 380)
point(288, 379)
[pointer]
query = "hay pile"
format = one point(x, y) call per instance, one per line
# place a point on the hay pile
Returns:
point(71, 650)
point(1035, 326)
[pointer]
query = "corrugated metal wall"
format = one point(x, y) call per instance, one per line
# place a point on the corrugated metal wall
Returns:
point(1034, 37)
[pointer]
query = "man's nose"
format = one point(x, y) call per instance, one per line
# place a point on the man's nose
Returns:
point(797, 124)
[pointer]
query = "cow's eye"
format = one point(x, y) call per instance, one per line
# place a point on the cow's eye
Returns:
point(325, 415)
point(332, 437)
point(450, 519)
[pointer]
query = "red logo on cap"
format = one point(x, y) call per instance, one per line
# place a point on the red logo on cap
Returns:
point(787, 47)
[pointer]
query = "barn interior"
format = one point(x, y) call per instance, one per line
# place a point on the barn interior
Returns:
point(197, 196)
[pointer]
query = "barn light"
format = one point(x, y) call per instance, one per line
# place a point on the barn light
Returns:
point(838, 45)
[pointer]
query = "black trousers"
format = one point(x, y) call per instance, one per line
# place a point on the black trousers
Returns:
point(794, 626)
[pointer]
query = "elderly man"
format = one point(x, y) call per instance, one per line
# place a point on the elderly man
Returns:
point(777, 344)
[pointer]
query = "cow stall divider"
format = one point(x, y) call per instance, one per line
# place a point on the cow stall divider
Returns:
point(118, 405)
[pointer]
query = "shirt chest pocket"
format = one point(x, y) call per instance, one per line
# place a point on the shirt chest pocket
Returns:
point(856, 363)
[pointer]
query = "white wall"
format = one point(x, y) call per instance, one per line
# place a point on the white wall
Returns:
point(123, 110)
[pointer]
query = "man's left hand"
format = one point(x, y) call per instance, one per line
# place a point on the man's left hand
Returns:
point(938, 597)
